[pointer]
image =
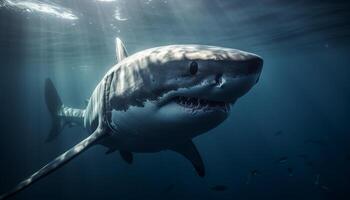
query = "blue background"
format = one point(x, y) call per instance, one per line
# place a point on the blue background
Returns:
point(299, 109)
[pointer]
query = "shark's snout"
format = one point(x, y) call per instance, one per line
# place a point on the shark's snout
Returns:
point(254, 65)
point(236, 80)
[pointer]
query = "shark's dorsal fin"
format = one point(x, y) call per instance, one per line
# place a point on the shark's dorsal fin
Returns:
point(57, 162)
point(189, 151)
point(120, 50)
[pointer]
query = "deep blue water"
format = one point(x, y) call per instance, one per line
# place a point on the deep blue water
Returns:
point(292, 127)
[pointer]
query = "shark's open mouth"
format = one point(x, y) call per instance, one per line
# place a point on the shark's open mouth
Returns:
point(201, 104)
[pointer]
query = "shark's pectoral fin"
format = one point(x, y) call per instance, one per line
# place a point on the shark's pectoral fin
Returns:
point(189, 151)
point(110, 150)
point(57, 162)
point(127, 156)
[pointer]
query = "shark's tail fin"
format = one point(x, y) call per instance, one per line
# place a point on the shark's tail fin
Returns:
point(60, 114)
point(54, 104)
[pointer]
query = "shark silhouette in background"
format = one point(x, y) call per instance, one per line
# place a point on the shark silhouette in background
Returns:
point(156, 99)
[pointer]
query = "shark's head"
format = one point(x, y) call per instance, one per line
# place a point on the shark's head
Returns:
point(180, 90)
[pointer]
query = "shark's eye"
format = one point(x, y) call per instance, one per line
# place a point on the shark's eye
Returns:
point(193, 67)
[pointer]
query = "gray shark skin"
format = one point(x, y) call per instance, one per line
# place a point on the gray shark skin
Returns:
point(154, 100)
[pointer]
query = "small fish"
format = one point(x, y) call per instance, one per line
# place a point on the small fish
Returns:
point(290, 171)
point(282, 160)
point(318, 142)
point(324, 187)
point(219, 188)
point(317, 179)
point(321, 186)
point(255, 172)
point(280, 132)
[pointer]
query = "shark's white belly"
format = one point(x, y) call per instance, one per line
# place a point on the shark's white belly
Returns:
point(138, 130)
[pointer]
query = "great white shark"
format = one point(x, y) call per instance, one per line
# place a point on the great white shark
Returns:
point(154, 100)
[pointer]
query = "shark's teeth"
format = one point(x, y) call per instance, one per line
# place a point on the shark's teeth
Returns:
point(201, 104)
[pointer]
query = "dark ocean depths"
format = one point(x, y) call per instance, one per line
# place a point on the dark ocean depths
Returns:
point(288, 138)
